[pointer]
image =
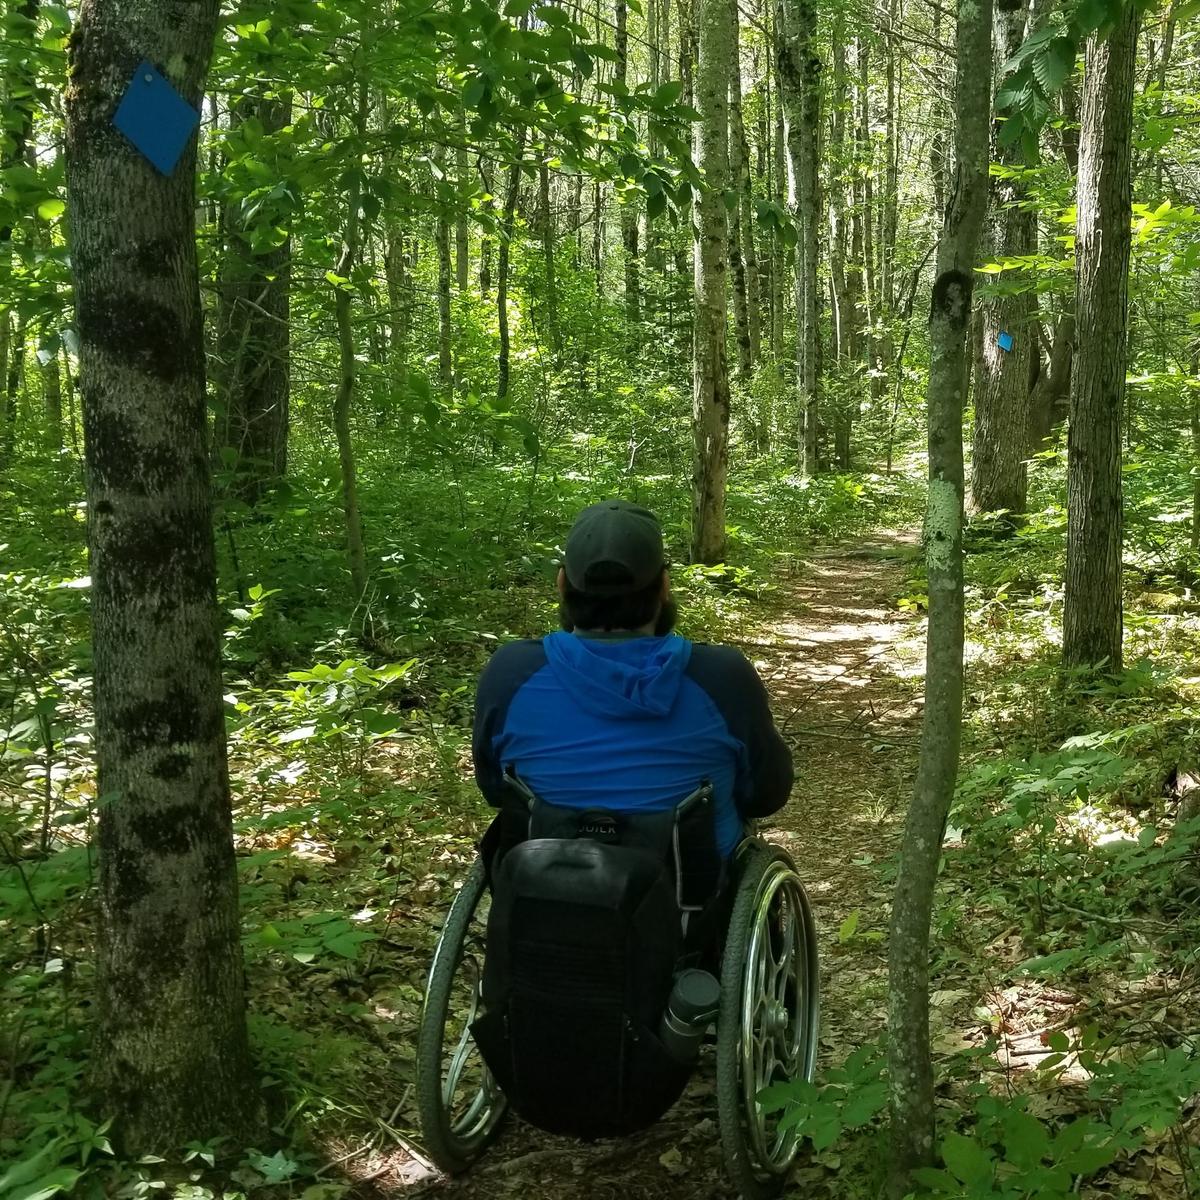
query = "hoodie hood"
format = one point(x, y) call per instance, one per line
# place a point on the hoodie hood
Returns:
point(633, 679)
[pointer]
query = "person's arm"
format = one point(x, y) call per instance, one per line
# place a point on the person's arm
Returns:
point(508, 669)
point(765, 772)
point(770, 766)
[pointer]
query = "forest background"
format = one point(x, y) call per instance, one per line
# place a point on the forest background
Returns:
point(464, 269)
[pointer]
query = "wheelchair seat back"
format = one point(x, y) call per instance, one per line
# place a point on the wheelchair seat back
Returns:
point(584, 937)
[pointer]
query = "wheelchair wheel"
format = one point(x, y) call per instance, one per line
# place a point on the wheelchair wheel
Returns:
point(767, 1026)
point(459, 1104)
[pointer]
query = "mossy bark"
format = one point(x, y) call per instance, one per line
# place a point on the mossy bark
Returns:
point(170, 1057)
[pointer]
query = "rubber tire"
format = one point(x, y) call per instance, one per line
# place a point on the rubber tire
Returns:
point(756, 859)
point(451, 1154)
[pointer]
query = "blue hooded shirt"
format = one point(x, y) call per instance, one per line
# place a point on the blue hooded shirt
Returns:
point(632, 724)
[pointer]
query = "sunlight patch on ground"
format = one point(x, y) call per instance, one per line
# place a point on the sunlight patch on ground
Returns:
point(1098, 828)
point(840, 634)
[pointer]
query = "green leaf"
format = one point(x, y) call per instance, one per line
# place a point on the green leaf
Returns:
point(967, 1160)
point(1092, 14)
point(61, 1179)
point(864, 1103)
point(1026, 1141)
point(346, 944)
point(51, 210)
point(473, 91)
point(583, 60)
point(936, 1180)
point(20, 1174)
point(848, 927)
point(668, 93)
point(823, 1130)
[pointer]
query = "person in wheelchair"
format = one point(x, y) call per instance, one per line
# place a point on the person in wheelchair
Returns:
point(625, 762)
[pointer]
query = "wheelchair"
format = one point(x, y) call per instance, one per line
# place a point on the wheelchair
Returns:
point(552, 982)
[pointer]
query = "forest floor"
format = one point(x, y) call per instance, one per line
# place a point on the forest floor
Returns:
point(843, 667)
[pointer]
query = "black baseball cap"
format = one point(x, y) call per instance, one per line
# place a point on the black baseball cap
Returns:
point(614, 547)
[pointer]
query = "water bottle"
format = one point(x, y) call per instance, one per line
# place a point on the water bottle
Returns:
point(691, 1009)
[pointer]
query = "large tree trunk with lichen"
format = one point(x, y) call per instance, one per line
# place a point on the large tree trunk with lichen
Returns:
point(1009, 328)
point(910, 1067)
point(710, 375)
point(171, 1057)
point(1092, 618)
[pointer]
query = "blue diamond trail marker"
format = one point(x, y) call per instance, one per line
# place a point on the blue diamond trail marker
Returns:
point(155, 117)
point(1005, 341)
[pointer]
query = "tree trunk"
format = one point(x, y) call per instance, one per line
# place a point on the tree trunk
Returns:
point(13, 380)
point(937, 142)
point(910, 1068)
point(47, 354)
point(19, 98)
point(171, 1058)
point(747, 315)
point(399, 292)
point(658, 29)
point(778, 249)
point(507, 226)
point(800, 92)
point(888, 209)
point(629, 215)
point(1050, 397)
point(548, 240)
point(1092, 621)
point(844, 294)
point(1002, 396)
point(485, 242)
point(444, 275)
point(1194, 540)
point(710, 406)
point(253, 339)
point(52, 393)
point(348, 374)
point(462, 231)
point(866, 221)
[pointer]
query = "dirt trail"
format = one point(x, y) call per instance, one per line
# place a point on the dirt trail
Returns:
point(843, 669)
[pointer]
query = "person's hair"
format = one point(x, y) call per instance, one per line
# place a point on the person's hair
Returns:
point(585, 610)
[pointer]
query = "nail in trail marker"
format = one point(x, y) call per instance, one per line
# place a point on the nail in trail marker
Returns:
point(1005, 341)
point(156, 118)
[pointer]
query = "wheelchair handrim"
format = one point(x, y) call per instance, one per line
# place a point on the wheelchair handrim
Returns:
point(482, 1110)
point(469, 1126)
point(779, 1011)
